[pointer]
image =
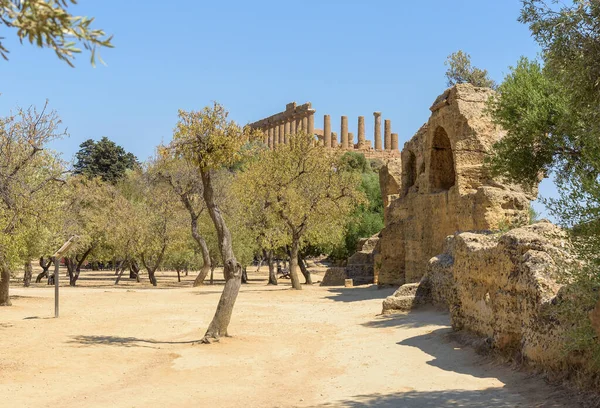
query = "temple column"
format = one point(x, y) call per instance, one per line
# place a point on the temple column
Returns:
point(350, 141)
point(281, 133)
point(275, 136)
point(311, 124)
point(265, 136)
point(377, 133)
point(299, 125)
point(270, 133)
point(293, 129)
point(334, 143)
point(361, 132)
point(305, 124)
point(394, 141)
point(327, 131)
point(388, 134)
point(286, 132)
point(344, 132)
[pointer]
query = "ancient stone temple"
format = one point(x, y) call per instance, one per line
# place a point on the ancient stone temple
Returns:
point(296, 118)
point(439, 186)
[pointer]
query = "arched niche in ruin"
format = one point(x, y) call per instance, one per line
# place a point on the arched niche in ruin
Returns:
point(409, 170)
point(442, 175)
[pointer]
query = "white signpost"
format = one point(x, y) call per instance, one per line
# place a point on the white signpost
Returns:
point(57, 255)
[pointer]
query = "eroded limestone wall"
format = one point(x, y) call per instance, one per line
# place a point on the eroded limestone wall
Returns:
point(443, 186)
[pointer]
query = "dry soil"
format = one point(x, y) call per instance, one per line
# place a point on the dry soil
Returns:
point(135, 346)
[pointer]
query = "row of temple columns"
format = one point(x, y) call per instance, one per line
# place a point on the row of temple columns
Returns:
point(390, 141)
point(277, 133)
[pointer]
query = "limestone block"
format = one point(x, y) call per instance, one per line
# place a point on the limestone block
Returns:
point(334, 277)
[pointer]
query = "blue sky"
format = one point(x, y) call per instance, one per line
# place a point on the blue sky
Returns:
point(346, 57)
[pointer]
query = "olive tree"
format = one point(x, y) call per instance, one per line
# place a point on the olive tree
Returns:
point(211, 141)
point(460, 71)
point(302, 190)
point(28, 171)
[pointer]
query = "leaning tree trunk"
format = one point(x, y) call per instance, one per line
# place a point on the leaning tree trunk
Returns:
point(121, 269)
point(232, 270)
point(304, 270)
point(152, 277)
point(4, 284)
point(27, 274)
point(272, 273)
point(294, 264)
point(178, 274)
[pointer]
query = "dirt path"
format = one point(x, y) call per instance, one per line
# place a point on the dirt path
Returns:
point(321, 347)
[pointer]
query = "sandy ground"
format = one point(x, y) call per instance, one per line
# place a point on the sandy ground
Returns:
point(133, 346)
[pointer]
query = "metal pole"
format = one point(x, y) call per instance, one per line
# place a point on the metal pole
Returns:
point(57, 256)
point(56, 279)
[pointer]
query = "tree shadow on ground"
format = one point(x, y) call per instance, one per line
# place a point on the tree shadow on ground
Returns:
point(488, 398)
point(427, 316)
point(122, 341)
point(359, 294)
point(450, 355)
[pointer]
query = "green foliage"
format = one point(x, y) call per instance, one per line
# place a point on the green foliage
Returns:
point(367, 218)
point(295, 193)
point(104, 159)
point(30, 183)
point(460, 71)
point(534, 110)
point(353, 161)
point(48, 24)
point(550, 112)
point(209, 139)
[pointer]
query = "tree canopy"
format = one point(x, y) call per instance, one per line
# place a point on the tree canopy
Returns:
point(104, 159)
point(460, 71)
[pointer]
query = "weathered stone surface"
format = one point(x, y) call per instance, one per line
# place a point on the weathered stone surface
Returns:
point(361, 265)
point(501, 287)
point(444, 187)
point(390, 180)
point(334, 277)
point(407, 298)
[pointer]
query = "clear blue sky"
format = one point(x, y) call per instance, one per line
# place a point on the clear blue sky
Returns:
point(346, 57)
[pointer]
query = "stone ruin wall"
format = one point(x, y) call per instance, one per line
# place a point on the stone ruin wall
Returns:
point(297, 118)
point(503, 291)
point(439, 186)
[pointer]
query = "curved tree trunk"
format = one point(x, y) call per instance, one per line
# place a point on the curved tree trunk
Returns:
point(153, 268)
point(304, 270)
point(135, 270)
point(232, 270)
point(294, 264)
point(74, 266)
point(121, 268)
point(4, 285)
point(45, 266)
point(51, 276)
point(268, 255)
point(152, 277)
point(27, 274)
point(178, 274)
